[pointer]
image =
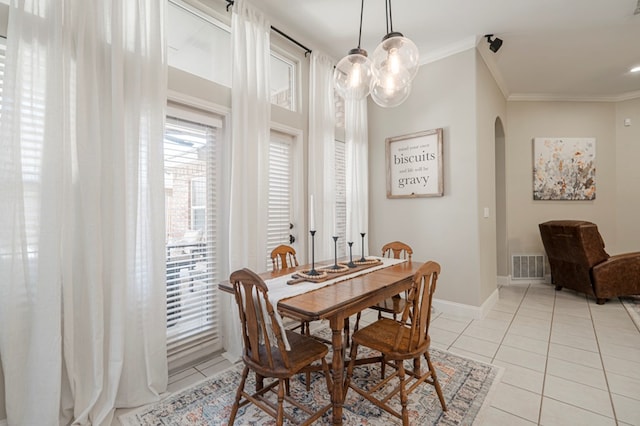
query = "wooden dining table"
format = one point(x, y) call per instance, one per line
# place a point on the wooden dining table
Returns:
point(336, 303)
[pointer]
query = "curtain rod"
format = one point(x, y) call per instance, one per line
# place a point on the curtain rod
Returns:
point(307, 51)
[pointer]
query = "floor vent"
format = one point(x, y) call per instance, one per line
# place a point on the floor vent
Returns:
point(527, 267)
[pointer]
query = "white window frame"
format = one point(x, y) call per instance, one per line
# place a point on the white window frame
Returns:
point(191, 108)
point(298, 216)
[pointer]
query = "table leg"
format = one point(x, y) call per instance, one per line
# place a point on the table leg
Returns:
point(337, 364)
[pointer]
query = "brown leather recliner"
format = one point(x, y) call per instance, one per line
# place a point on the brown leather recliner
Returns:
point(578, 261)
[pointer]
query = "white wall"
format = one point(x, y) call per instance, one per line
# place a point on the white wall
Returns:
point(444, 229)
point(527, 120)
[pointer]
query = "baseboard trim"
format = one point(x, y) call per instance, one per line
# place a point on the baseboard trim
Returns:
point(232, 358)
point(503, 280)
point(521, 282)
point(466, 311)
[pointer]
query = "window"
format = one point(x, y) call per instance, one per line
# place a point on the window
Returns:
point(191, 240)
point(341, 198)
point(198, 203)
point(283, 81)
point(198, 43)
point(341, 176)
point(280, 190)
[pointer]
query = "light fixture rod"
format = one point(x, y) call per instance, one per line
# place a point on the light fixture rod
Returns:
point(386, 13)
point(390, 17)
point(360, 33)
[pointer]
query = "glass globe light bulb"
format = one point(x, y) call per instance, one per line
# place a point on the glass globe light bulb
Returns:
point(353, 75)
point(391, 77)
point(387, 96)
point(398, 51)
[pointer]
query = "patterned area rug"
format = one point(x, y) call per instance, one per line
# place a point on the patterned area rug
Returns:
point(632, 304)
point(466, 385)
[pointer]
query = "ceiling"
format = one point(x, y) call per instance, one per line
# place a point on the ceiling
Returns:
point(553, 49)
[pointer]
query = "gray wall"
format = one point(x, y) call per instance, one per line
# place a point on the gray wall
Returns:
point(490, 105)
point(4, 16)
point(527, 120)
point(627, 178)
point(444, 229)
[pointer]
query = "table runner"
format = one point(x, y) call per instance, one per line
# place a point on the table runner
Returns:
point(279, 289)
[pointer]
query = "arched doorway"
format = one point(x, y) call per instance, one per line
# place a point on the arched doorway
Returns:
point(501, 202)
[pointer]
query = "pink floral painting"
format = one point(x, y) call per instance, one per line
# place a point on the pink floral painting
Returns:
point(564, 169)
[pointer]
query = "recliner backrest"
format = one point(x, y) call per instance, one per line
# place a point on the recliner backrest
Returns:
point(573, 241)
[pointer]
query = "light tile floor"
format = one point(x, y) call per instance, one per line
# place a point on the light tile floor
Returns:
point(566, 360)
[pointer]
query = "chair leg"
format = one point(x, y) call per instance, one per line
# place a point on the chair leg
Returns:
point(280, 413)
point(436, 384)
point(357, 326)
point(347, 334)
point(600, 301)
point(236, 403)
point(403, 393)
point(347, 380)
point(327, 375)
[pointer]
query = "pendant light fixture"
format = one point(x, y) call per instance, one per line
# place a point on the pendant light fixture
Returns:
point(395, 64)
point(353, 74)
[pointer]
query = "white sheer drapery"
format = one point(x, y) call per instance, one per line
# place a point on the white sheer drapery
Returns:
point(82, 297)
point(322, 164)
point(357, 171)
point(250, 123)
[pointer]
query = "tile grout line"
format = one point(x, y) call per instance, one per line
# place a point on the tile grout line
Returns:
point(604, 370)
point(513, 317)
point(546, 361)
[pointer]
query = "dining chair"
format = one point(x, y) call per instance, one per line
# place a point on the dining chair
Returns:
point(395, 304)
point(283, 257)
point(265, 353)
point(400, 340)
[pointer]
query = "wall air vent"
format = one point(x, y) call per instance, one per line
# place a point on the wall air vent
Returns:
point(527, 267)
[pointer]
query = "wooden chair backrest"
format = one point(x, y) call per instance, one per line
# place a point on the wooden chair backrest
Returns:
point(397, 249)
point(251, 297)
point(417, 311)
point(283, 256)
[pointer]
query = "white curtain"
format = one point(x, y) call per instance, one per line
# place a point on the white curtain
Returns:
point(357, 173)
point(82, 288)
point(322, 165)
point(250, 123)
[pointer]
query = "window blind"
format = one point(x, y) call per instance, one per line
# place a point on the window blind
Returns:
point(280, 189)
point(190, 206)
point(341, 197)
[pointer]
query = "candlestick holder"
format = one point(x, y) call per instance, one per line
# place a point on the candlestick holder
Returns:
point(335, 265)
point(363, 259)
point(313, 271)
point(351, 264)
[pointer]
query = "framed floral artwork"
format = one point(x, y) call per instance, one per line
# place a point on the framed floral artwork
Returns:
point(564, 169)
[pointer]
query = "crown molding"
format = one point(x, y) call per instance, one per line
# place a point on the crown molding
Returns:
point(550, 97)
point(449, 50)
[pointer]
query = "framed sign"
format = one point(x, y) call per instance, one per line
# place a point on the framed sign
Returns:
point(414, 165)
